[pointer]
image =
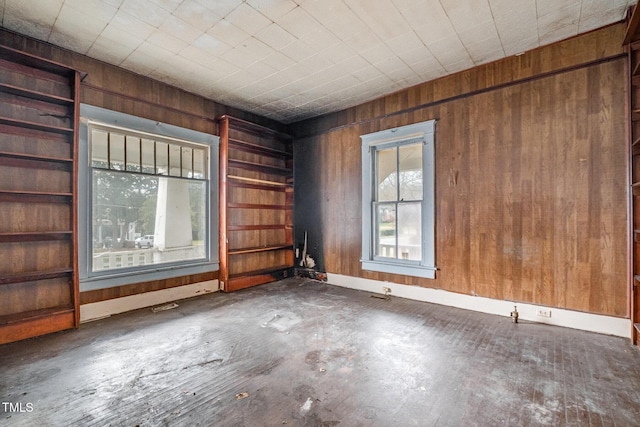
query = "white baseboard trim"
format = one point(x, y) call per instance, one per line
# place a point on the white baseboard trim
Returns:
point(608, 325)
point(102, 309)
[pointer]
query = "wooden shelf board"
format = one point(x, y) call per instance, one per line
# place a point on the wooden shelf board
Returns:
point(256, 277)
point(258, 206)
point(35, 126)
point(32, 276)
point(258, 149)
point(34, 162)
point(257, 182)
point(258, 167)
point(35, 236)
point(258, 249)
point(35, 157)
point(32, 94)
point(254, 128)
point(34, 314)
point(256, 227)
point(260, 271)
point(34, 197)
point(32, 324)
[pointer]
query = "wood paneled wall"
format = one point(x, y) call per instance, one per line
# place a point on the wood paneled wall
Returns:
point(531, 177)
point(114, 88)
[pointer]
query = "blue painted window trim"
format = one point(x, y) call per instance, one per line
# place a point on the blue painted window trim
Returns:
point(91, 281)
point(425, 132)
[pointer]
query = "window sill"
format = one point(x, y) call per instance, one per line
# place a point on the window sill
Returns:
point(406, 270)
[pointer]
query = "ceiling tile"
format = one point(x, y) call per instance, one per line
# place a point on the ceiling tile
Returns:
point(467, 13)
point(211, 45)
point(140, 62)
point(129, 24)
point(95, 8)
point(197, 15)
point(167, 41)
point(71, 22)
point(168, 5)
point(451, 54)
point(180, 29)
point(272, 9)
point(146, 11)
point(385, 20)
point(220, 7)
point(229, 33)
point(275, 36)
point(248, 19)
point(299, 23)
point(113, 50)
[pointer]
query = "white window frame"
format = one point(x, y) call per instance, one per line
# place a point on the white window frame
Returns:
point(110, 278)
point(424, 132)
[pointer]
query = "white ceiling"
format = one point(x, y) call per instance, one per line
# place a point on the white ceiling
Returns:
point(294, 59)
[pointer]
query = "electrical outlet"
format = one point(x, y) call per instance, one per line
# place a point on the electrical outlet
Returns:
point(386, 290)
point(544, 313)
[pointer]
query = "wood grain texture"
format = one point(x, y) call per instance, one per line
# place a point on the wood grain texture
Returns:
point(530, 179)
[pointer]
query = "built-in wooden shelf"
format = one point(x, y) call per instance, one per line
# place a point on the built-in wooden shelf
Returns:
point(249, 148)
point(260, 249)
point(36, 126)
point(31, 276)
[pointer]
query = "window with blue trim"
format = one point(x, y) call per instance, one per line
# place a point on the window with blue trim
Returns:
point(398, 184)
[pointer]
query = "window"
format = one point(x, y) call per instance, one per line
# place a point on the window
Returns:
point(149, 202)
point(398, 177)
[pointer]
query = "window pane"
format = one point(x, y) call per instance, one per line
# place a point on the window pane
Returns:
point(187, 162)
point(174, 160)
point(162, 158)
point(133, 154)
point(410, 231)
point(386, 170)
point(99, 149)
point(124, 213)
point(199, 170)
point(386, 230)
point(411, 172)
point(116, 151)
point(148, 156)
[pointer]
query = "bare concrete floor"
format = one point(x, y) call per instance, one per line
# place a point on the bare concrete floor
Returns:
point(304, 353)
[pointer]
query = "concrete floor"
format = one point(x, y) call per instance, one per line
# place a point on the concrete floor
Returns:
point(303, 353)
